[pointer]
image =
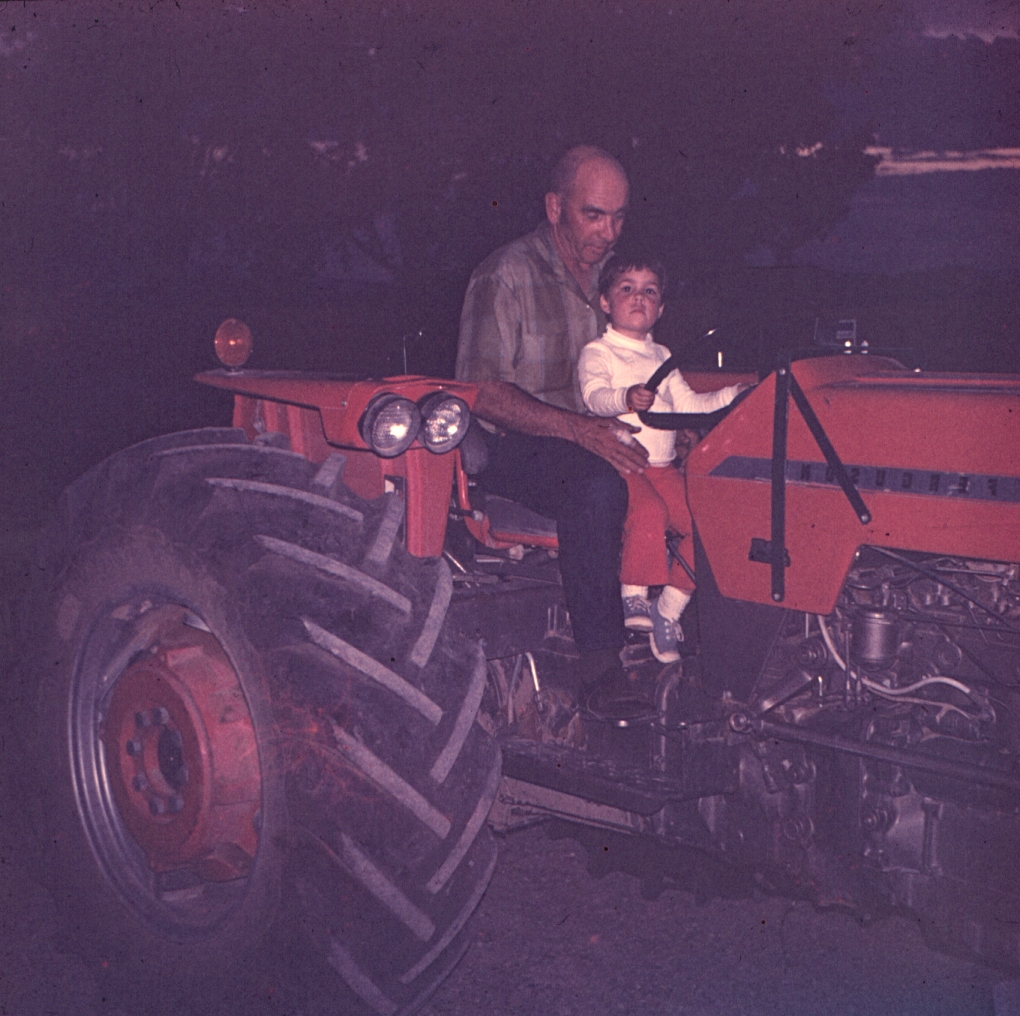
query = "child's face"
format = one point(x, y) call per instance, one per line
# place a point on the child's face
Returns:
point(634, 302)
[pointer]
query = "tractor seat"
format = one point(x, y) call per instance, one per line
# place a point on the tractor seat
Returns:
point(508, 518)
point(506, 522)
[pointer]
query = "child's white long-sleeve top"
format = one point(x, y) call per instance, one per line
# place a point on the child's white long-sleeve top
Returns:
point(611, 364)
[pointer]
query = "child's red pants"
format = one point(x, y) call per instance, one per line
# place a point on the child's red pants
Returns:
point(657, 502)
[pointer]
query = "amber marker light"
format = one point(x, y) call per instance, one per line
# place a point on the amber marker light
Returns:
point(233, 343)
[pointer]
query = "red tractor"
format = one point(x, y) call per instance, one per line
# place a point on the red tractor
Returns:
point(280, 679)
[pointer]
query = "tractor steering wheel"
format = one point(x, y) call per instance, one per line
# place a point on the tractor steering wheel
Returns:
point(701, 422)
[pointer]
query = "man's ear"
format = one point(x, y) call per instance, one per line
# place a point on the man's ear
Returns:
point(662, 307)
point(553, 207)
point(604, 304)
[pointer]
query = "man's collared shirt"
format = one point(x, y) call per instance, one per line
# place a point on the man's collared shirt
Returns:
point(526, 320)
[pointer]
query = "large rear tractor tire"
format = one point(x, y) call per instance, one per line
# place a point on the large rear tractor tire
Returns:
point(249, 744)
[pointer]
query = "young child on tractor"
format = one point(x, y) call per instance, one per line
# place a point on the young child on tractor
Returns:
point(612, 371)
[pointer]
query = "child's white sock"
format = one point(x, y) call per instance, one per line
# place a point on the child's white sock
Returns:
point(672, 602)
point(626, 590)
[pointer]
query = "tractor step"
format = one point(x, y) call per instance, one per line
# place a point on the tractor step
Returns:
point(603, 780)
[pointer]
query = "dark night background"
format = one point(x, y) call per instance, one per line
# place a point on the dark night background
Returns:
point(332, 172)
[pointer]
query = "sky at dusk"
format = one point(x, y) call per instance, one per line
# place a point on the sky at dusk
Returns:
point(938, 89)
point(987, 19)
point(931, 205)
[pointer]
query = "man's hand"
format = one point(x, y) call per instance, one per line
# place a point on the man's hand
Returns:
point(611, 439)
point(639, 398)
point(508, 407)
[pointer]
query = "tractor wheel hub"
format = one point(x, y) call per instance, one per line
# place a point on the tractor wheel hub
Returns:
point(183, 759)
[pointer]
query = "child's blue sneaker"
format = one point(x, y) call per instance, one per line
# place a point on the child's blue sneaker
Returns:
point(666, 636)
point(637, 613)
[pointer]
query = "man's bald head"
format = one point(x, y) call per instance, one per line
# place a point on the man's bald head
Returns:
point(564, 173)
point(586, 207)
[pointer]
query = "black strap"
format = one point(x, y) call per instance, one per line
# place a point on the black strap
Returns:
point(786, 385)
point(835, 464)
point(777, 555)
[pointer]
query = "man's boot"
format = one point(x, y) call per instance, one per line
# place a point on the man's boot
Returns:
point(606, 691)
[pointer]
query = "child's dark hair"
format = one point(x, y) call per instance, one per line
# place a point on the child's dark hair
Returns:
point(627, 261)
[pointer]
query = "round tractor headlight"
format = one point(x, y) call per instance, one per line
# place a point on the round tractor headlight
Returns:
point(444, 421)
point(390, 424)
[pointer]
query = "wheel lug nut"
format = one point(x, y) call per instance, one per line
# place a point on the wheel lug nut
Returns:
point(160, 716)
point(157, 805)
point(176, 803)
point(133, 747)
point(143, 719)
point(139, 782)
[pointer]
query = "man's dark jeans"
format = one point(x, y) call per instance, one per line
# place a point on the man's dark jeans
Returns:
point(588, 500)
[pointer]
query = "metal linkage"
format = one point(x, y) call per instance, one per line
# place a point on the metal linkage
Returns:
point(823, 442)
point(780, 419)
point(787, 385)
point(744, 723)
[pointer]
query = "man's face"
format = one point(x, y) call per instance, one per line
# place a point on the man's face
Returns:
point(587, 220)
point(634, 302)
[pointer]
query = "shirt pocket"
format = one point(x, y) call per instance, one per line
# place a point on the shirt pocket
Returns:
point(545, 361)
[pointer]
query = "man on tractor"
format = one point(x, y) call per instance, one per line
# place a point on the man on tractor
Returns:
point(529, 310)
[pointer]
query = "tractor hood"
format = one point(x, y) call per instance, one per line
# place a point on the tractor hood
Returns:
point(935, 457)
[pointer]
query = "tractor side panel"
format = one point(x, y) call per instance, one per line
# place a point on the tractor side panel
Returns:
point(339, 403)
point(318, 414)
point(936, 458)
point(303, 427)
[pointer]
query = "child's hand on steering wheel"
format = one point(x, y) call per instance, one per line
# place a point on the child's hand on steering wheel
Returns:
point(639, 398)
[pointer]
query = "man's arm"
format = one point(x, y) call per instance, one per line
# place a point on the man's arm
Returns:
point(506, 406)
point(487, 343)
